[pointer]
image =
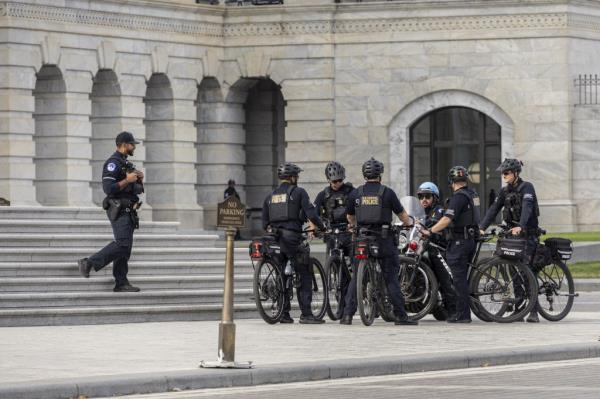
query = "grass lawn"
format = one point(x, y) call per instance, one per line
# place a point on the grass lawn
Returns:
point(581, 236)
point(585, 270)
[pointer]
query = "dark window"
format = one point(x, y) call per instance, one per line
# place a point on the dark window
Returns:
point(455, 136)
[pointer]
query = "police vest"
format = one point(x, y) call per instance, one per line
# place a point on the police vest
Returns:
point(283, 207)
point(335, 205)
point(370, 208)
point(469, 218)
point(513, 205)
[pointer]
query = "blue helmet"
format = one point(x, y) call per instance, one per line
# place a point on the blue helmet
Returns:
point(429, 188)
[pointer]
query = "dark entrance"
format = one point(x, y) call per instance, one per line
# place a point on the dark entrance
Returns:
point(456, 136)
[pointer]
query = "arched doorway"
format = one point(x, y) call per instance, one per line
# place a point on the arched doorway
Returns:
point(456, 136)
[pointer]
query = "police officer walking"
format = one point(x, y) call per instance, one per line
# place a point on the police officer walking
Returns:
point(371, 206)
point(331, 204)
point(284, 212)
point(122, 184)
point(429, 197)
point(462, 220)
point(520, 211)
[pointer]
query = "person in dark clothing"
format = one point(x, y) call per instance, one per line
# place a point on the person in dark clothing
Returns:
point(371, 206)
point(429, 197)
point(230, 190)
point(331, 204)
point(519, 204)
point(284, 212)
point(461, 218)
point(122, 184)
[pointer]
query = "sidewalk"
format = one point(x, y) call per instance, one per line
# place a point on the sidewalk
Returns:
point(104, 360)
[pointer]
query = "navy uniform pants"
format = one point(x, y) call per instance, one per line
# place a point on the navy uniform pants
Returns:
point(458, 255)
point(444, 275)
point(390, 266)
point(290, 242)
point(117, 251)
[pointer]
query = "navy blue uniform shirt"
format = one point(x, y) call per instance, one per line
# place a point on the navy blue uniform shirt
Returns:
point(457, 205)
point(320, 200)
point(112, 174)
point(299, 194)
point(390, 199)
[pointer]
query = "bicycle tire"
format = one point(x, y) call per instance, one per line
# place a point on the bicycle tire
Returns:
point(419, 287)
point(501, 278)
point(268, 288)
point(365, 287)
point(474, 302)
point(335, 305)
point(548, 287)
point(318, 304)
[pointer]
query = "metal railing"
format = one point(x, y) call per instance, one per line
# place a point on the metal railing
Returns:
point(587, 87)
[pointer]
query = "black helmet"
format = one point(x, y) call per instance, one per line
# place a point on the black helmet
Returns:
point(457, 173)
point(288, 169)
point(335, 171)
point(372, 169)
point(511, 164)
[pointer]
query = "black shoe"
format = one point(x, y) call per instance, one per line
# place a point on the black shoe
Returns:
point(405, 322)
point(346, 319)
point(126, 288)
point(459, 321)
point(84, 267)
point(310, 320)
point(286, 319)
point(533, 318)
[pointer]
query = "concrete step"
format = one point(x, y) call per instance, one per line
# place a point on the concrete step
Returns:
point(65, 254)
point(13, 240)
point(52, 212)
point(78, 226)
point(136, 268)
point(118, 314)
point(105, 283)
point(104, 298)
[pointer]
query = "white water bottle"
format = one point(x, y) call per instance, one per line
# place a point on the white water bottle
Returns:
point(288, 269)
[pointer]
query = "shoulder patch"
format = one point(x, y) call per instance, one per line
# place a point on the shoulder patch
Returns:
point(111, 167)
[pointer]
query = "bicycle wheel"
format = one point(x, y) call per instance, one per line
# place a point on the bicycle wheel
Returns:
point(439, 312)
point(268, 291)
point(319, 301)
point(505, 290)
point(365, 292)
point(556, 291)
point(335, 305)
point(474, 277)
point(419, 287)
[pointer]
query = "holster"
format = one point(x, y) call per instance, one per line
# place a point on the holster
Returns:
point(113, 208)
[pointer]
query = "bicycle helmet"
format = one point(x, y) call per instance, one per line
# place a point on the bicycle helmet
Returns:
point(429, 188)
point(458, 173)
point(288, 169)
point(510, 164)
point(372, 169)
point(335, 171)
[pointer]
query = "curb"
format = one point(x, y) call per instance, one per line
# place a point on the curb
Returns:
point(292, 372)
point(587, 285)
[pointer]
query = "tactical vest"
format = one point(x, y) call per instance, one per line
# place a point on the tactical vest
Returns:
point(471, 217)
point(283, 207)
point(335, 205)
point(370, 208)
point(513, 205)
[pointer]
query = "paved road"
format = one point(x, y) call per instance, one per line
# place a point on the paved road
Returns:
point(553, 380)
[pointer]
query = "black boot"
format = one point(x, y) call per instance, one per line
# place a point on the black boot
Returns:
point(346, 319)
point(310, 319)
point(286, 319)
point(84, 267)
point(533, 317)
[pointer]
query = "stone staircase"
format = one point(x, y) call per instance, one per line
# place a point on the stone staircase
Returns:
point(181, 275)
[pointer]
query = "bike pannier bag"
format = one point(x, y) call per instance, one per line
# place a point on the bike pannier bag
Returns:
point(561, 248)
point(542, 257)
point(510, 248)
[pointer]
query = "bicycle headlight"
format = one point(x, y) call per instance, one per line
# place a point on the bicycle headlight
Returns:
point(402, 241)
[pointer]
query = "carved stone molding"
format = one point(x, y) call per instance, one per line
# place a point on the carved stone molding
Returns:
point(254, 64)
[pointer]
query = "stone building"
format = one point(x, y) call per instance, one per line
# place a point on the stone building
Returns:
point(218, 92)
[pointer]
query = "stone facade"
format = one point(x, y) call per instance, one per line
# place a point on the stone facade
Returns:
point(219, 92)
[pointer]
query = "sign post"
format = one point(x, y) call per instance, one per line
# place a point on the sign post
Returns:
point(231, 214)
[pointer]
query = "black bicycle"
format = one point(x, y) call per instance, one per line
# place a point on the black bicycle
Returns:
point(268, 285)
point(339, 272)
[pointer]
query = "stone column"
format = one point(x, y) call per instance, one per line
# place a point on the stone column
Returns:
point(221, 139)
point(17, 148)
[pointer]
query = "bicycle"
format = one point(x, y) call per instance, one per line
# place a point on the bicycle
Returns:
point(268, 282)
point(502, 289)
point(339, 273)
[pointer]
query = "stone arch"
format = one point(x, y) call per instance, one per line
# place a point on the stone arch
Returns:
point(106, 123)
point(399, 128)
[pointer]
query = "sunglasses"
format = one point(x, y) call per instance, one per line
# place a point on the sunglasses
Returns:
point(506, 173)
point(337, 181)
point(424, 196)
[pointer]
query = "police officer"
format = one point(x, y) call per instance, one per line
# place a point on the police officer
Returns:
point(429, 197)
point(284, 211)
point(462, 220)
point(371, 206)
point(122, 184)
point(520, 210)
point(331, 204)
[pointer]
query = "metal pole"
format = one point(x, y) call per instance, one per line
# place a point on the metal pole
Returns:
point(227, 326)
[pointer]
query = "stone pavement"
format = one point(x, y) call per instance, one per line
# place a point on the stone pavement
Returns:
point(130, 358)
